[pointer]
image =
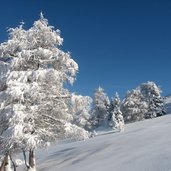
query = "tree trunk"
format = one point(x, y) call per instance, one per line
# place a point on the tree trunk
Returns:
point(6, 164)
point(13, 163)
point(3, 164)
point(25, 159)
point(32, 160)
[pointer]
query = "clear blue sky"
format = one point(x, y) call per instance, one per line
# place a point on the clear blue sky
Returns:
point(117, 44)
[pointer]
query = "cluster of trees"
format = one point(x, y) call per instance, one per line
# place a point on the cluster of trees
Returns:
point(144, 102)
point(106, 113)
point(35, 106)
point(99, 112)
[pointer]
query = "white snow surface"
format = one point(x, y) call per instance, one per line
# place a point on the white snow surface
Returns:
point(144, 146)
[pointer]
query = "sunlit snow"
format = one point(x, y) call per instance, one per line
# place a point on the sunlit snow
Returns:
point(144, 146)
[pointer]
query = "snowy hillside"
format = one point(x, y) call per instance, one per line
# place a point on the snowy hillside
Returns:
point(168, 104)
point(144, 146)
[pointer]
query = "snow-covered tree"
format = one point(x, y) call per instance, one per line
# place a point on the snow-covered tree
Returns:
point(34, 102)
point(152, 95)
point(133, 107)
point(81, 107)
point(116, 120)
point(101, 108)
point(143, 102)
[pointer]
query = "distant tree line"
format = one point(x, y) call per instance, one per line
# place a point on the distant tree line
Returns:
point(143, 102)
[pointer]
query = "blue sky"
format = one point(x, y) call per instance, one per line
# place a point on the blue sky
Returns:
point(117, 44)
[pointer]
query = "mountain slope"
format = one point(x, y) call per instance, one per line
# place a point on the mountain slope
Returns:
point(144, 146)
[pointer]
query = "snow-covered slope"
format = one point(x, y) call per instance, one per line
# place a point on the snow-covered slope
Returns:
point(144, 146)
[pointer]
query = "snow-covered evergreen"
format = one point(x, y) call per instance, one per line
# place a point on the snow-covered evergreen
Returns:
point(101, 108)
point(143, 102)
point(152, 95)
point(34, 103)
point(116, 120)
point(133, 108)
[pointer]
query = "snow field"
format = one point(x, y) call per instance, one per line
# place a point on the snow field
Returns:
point(144, 146)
